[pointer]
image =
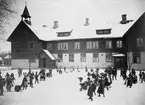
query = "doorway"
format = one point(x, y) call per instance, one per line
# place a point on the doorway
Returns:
point(119, 62)
point(44, 62)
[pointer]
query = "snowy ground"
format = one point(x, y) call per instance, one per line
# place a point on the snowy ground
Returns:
point(64, 90)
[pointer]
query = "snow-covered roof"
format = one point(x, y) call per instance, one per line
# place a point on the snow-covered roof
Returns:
point(49, 54)
point(81, 31)
point(7, 57)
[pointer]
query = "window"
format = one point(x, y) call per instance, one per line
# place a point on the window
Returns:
point(139, 42)
point(108, 57)
point(60, 57)
point(136, 58)
point(17, 47)
point(108, 44)
point(63, 34)
point(49, 46)
point(89, 45)
point(95, 57)
point(31, 44)
point(92, 44)
point(62, 46)
point(119, 44)
point(71, 57)
point(103, 31)
point(83, 57)
point(96, 44)
point(65, 46)
point(77, 45)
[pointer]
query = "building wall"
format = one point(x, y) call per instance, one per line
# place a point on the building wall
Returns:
point(89, 61)
point(44, 59)
point(24, 63)
point(83, 48)
point(136, 31)
point(24, 35)
point(142, 64)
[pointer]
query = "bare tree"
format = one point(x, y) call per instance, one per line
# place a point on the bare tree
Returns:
point(129, 59)
point(6, 11)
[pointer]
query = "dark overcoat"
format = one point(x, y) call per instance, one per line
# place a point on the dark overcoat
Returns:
point(101, 87)
point(90, 91)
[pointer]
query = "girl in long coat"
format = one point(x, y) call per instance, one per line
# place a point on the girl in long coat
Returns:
point(2, 83)
point(101, 87)
point(90, 92)
point(24, 83)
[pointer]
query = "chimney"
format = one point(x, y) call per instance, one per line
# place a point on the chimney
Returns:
point(44, 26)
point(124, 19)
point(87, 22)
point(55, 25)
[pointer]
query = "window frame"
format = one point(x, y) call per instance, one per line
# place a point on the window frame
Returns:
point(110, 58)
point(17, 46)
point(135, 56)
point(60, 57)
point(139, 42)
point(107, 44)
point(77, 45)
point(71, 57)
point(83, 57)
point(95, 59)
point(89, 44)
point(62, 46)
point(29, 44)
point(95, 44)
point(119, 44)
point(49, 46)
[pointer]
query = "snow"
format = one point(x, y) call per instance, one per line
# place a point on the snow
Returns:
point(80, 31)
point(49, 54)
point(1, 59)
point(7, 57)
point(64, 90)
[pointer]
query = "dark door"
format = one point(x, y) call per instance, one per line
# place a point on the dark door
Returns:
point(44, 62)
point(119, 62)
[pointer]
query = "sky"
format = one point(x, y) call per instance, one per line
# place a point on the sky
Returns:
point(73, 13)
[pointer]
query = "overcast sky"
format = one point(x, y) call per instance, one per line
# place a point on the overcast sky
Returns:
point(73, 12)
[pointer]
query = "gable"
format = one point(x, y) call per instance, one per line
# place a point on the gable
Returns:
point(137, 29)
point(136, 32)
point(22, 31)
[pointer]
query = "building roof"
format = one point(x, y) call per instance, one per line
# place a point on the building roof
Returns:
point(81, 31)
point(7, 57)
point(1, 59)
point(49, 54)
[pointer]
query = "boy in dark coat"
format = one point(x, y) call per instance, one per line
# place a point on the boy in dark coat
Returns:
point(129, 80)
point(94, 87)
point(101, 87)
point(90, 92)
point(24, 83)
point(36, 78)
point(31, 80)
point(2, 83)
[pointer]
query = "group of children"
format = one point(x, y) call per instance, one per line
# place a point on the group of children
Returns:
point(7, 81)
point(99, 81)
point(27, 79)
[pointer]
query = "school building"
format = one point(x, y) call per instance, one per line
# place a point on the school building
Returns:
point(79, 47)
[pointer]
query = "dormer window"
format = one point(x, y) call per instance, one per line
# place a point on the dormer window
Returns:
point(63, 34)
point(103, 31)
